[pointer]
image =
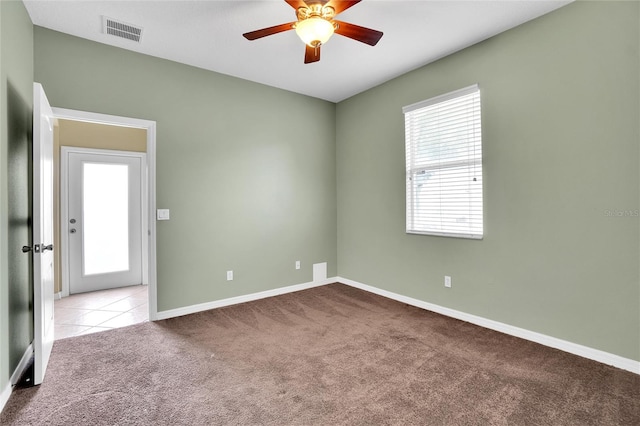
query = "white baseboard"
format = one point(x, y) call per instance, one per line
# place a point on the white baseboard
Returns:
point(4, 395)
point(28, 353)
point(241, 299)
point(553, 342)
point(58, 295)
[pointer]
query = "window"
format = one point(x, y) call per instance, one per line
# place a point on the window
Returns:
point(444, 165)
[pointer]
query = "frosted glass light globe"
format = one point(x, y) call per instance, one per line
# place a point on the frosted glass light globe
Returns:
point(314, 31)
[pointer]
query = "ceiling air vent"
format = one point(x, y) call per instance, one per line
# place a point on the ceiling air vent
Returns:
point(120, 29)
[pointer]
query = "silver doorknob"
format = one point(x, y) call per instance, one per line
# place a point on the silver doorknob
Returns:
point(26, 249)
point(72, 221)
point(49, 247)
point(72, 230)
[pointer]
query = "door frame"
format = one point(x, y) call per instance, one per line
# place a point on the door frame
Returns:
point(149, 207)
point(65, 257)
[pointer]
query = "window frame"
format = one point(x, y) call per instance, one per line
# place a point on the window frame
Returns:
point(411, 146)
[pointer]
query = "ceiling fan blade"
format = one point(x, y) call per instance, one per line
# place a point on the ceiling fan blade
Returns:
point(296, 3)
point(356, 32)
point(311, 54)
point(253, 35)
point(340, 5)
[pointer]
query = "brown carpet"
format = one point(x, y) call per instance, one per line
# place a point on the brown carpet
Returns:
point(324, 356)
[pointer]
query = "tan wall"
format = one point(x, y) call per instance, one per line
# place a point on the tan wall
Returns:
point(102, 136)
point(87, 135)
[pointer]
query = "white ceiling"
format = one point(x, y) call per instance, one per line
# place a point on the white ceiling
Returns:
point(208, 34)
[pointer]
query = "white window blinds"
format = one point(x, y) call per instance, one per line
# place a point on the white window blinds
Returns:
point(444, 165)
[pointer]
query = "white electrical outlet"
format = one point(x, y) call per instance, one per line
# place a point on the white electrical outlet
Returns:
point(297, 264)
point(229, 275)
point(447, 281)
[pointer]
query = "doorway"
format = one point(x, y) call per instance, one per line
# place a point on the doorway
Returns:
point(102, 218)
point(90, 306)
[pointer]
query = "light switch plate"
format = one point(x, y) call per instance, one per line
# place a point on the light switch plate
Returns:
point(163, 214)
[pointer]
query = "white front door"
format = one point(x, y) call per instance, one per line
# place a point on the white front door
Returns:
point(103, 218)
point(42, 232)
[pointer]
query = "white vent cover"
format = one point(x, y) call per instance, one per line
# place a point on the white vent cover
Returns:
point(120, 29)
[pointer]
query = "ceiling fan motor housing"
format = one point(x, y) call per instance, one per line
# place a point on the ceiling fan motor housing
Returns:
point(316, 10)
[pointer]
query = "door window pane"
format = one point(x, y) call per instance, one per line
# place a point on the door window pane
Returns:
point(106, 218)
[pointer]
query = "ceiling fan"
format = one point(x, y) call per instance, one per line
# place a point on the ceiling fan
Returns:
point(315, 25)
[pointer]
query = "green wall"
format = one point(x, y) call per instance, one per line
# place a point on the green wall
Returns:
point(247, 170)
point(16, 105)
point(560, 111)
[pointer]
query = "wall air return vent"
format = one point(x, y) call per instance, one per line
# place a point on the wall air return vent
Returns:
point(120, 29)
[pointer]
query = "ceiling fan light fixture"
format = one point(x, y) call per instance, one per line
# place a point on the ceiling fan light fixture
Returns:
point(314, 31)
point(315, 25)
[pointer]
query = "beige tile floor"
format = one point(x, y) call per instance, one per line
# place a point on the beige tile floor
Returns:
point(86, 313)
